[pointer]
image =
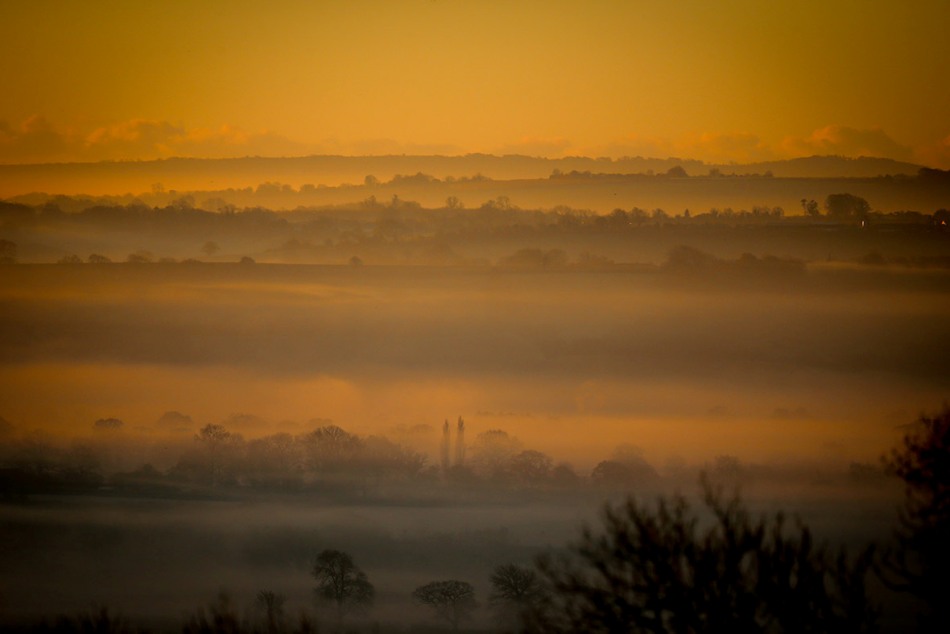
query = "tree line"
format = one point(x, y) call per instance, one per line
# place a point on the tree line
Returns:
point(665, 567)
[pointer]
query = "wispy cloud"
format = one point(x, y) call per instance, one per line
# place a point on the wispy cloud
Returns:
point(550, 147)
point(847, 141)
point(936, 154)
point(37, 140)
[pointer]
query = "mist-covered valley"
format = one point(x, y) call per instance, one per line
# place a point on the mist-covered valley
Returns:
point(197, 401)
point(219, 424)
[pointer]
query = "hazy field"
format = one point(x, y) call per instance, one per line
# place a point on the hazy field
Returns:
point(790, 382)
point(571, 361)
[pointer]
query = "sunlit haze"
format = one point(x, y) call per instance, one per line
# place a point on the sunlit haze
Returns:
point(349, 316)
point(727, 81)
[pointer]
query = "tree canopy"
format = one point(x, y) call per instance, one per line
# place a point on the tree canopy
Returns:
point(657, 570)
point(921, 560)
point(452, 600)
point(341, 583)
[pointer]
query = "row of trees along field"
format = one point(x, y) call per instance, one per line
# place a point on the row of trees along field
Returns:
point(661, 568)
point(328, 459)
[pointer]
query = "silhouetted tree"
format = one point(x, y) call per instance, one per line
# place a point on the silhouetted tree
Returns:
point(493, 449)
point(920, 564)
point(677, 171)
point(341, 583)
point(516, 590)
point(626, 468)
point(140, 257)
point(530, 467)
point(272, 604)
point(214, 438)
point(453, 601)
point(331, 447)
point(108, 423)
point(656, 571)
point(847, 206)
point(220, 618)
point(810, 207)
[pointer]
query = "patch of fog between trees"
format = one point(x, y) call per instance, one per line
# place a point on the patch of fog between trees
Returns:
point(157, 559)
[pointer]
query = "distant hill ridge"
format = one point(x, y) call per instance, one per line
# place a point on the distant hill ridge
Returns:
point(185, 174)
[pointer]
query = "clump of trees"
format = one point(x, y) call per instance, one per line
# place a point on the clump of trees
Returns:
point(847, 207)
point(666, 570)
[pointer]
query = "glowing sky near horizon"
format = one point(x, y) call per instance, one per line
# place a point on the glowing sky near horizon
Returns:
point(727, 81)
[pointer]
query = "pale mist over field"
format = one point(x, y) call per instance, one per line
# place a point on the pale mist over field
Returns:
point(218, 396)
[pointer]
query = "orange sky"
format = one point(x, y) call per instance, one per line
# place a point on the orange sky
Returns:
point(726, 81)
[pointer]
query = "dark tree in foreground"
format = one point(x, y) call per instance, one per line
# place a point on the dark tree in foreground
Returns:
point(453, 601)
point(220, 618)
point(663, 570)
point(341, 584)
point(272, 605)
point(920, 564)
point(515, 591)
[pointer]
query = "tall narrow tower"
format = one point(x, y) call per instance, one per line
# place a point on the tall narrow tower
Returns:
point(460, 443)
point(446, 443)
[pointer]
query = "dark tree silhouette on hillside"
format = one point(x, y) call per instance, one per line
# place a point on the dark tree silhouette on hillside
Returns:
point(341, 584)
point(658, 570)
point(920, 563)
point(847, 207)
point(452, 600)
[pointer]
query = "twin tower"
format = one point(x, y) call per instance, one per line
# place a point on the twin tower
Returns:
point(447, 444)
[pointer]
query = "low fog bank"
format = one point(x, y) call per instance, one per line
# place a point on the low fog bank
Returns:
point(83, 523)
point(386, 225)
point(685, 361)
point(155, 557)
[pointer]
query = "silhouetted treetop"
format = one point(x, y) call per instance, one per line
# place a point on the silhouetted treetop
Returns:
point(920, 563)
point(662, 570)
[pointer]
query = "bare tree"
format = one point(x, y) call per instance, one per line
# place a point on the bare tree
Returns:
point(655, 571)
point(341, 584)
point(452, 600)
point(214, 438)
point(221, 618)
point(516, 591)
point(272, 604)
